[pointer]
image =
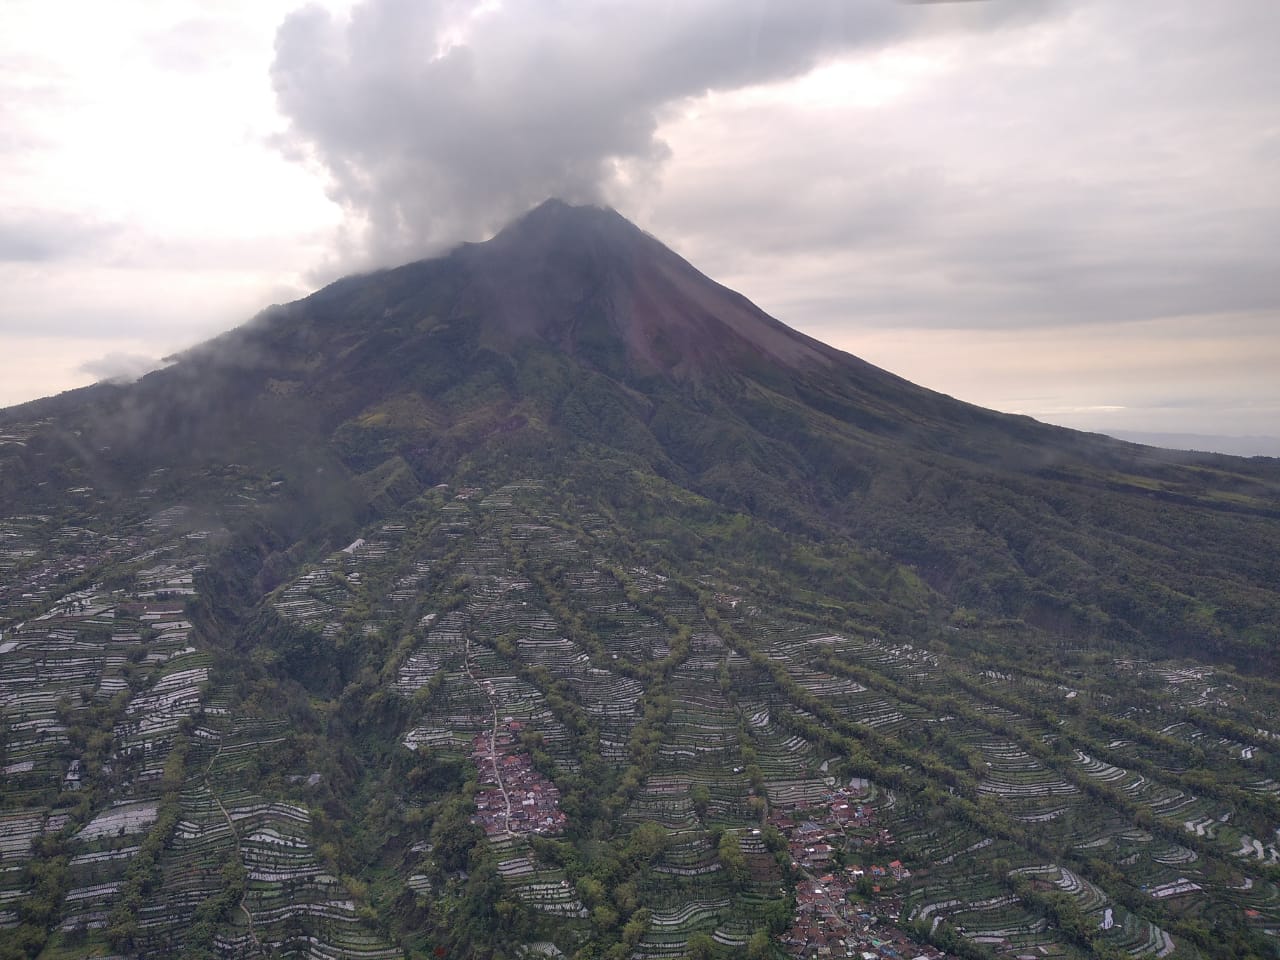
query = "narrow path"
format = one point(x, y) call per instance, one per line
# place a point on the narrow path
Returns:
point(235, 835)
point(493, 736)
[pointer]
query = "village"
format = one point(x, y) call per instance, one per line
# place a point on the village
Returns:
point(513, 797)
point(844, 909)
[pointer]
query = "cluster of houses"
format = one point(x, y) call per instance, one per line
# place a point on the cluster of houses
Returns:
point(833, 918)
point(829, 922)
point(38, 561)
point(513, 796)
point(843, 819)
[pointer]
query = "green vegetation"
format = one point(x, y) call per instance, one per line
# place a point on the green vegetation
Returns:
point(386, 626)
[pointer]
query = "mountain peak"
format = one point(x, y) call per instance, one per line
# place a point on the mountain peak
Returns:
point(586, 276)
point(557, 225)
point(553, 208)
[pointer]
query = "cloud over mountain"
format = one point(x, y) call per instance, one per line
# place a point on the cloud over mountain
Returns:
point(442, 119)
point(121, 367)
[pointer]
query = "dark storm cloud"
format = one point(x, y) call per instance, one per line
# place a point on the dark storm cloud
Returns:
point(439, 120)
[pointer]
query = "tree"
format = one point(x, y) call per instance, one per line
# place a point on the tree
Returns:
point(701, 798)
point(701, 947)
point(636, 927)
point(758, 946)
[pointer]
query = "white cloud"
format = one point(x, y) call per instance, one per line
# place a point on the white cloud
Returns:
point(120, 367)
point(441, 120)
point(139, 195)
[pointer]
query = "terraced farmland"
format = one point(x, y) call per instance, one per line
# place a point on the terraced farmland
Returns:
point(489, 723)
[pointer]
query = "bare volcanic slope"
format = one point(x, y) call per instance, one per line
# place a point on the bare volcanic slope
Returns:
point(583, 275)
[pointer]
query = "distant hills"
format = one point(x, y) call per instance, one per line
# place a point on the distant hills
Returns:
point(1233, 446)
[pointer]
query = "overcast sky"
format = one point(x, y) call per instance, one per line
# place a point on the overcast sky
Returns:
point(1066, 208)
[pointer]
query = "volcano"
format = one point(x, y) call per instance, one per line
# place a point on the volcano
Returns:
point(549, 598)
point(573, 334)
